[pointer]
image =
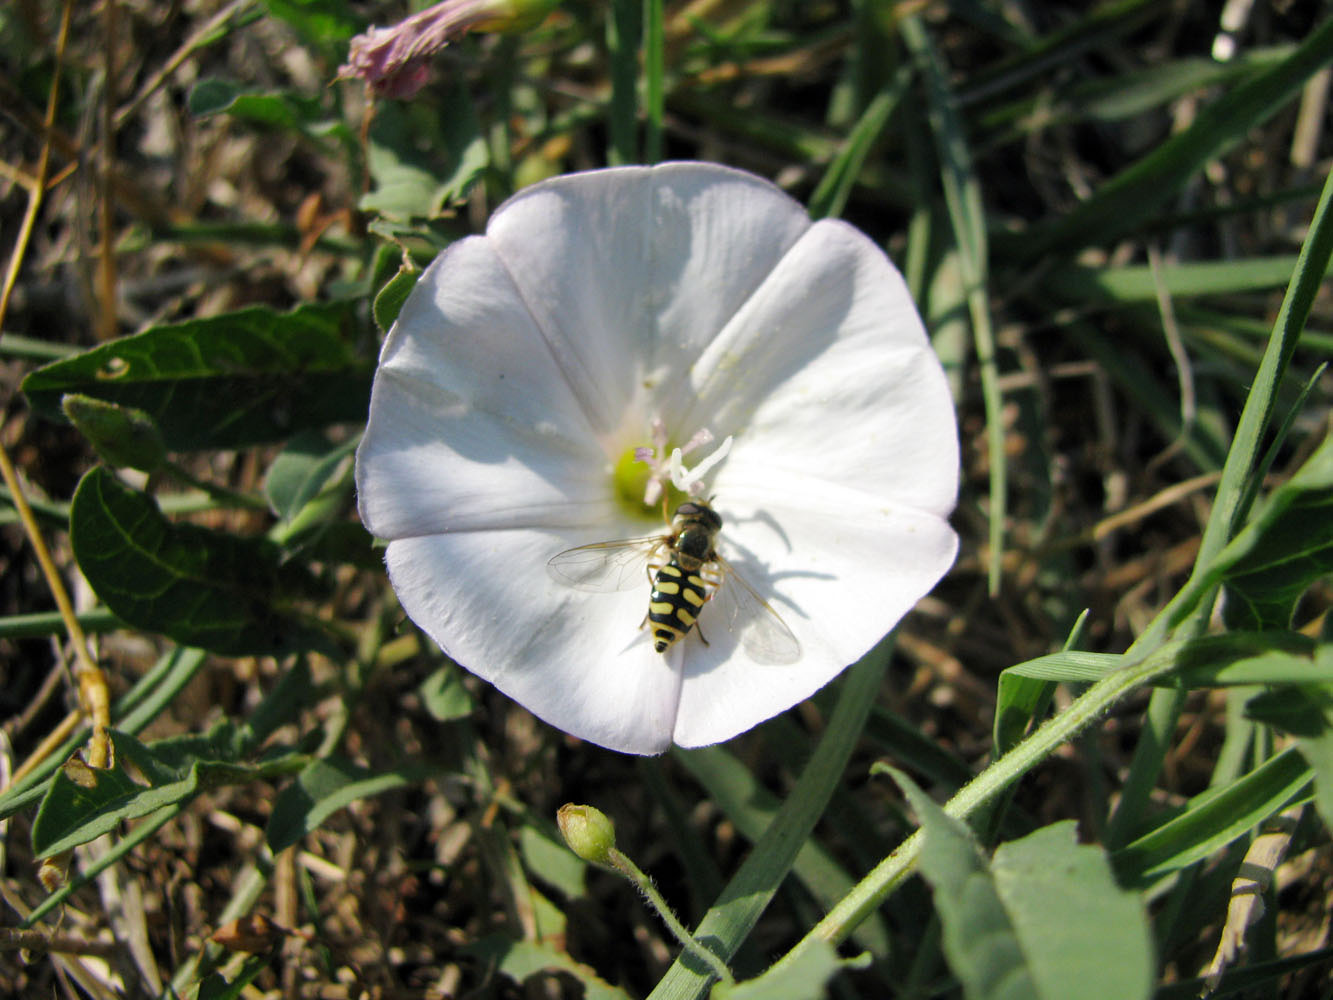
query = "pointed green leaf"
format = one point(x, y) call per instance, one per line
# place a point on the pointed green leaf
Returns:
point(1285, 548)
point(979, 940)
point(1082, 935)
point(242, 378)
point(408, 183)
point(444, 695)
point(1043, 921)
point(121, 435)
point(303, 469)
point(77, 811)
point(77, 798)
point(1306, 712)
point(393, 293)
point(1214, 819)
point(1230, 659)
point(520, 960)
point(324, 787)
point(808, 975)
point(200, 587)
point(134, 710)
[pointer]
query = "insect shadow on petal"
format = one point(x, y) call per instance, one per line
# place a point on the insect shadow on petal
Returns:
point(685, 573)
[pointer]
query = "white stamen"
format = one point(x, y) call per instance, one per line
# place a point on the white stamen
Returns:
point(691, 480)
point(670, 468)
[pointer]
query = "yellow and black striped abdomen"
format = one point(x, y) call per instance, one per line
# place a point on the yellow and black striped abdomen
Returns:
point(674, 605)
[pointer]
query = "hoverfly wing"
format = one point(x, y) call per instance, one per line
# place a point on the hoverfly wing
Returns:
point(604, 567)
point(760, 629)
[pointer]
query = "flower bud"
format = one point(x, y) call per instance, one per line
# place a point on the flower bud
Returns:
point(393, 60)
point(589, 833)
point(122, 435)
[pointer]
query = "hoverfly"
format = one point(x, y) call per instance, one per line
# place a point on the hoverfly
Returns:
point(692, 575)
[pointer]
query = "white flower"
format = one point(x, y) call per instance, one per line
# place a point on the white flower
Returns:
point(610, 317)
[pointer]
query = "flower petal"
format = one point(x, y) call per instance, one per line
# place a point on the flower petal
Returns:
point(630, 271)
point(578, 661)
point(471, 425)
point(840, 570)
point(827, 371)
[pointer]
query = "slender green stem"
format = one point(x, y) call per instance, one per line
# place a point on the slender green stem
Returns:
point(51, 623)
point(654, 79)
point(1188, 611)
point(895, 869)
point(645, 885)
point(962, 198)
point(736, 911)
point(623, 29)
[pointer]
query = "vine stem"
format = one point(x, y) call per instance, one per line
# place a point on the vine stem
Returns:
point(622, 864)
point(895, 869)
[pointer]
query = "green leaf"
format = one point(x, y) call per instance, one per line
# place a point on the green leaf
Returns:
point(552, 861)
point(78, 796)
point(744, 800)
point(410, 184)
point(276, 109)
point(393, 293)
point(121, 435)
point(806, 976)
point(303, 469)
point(1214, 819)
point(521, 960)
point(835, 187)
point(83, 803)
point(1135, 195)
point(1234, 658)
point(1307, 714)
point(1286, 547)
point(131, 713)
point(967, 219)
point(444, 695)
point(1082, 935)
point(228, 381)
point(1043, 921)
point(1072, 666)
point(324, 787)
point(1128, 285)
point(737, 909)
point(280, 109)
point(200, 587)
point(979, 940)
point(1021, 700)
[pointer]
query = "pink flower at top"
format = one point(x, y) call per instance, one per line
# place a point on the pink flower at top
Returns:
point(395, 61)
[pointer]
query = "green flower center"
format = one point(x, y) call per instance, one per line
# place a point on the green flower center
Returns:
point(631, 477)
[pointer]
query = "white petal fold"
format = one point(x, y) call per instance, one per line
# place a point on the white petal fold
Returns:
point(530, 360)
point(471, 424)
point(652, 263)
point(582, 666)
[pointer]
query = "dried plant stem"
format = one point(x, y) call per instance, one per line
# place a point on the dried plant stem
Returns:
point(38, 186)
point(13, 938)
point(105, 319)
point(93, 694)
